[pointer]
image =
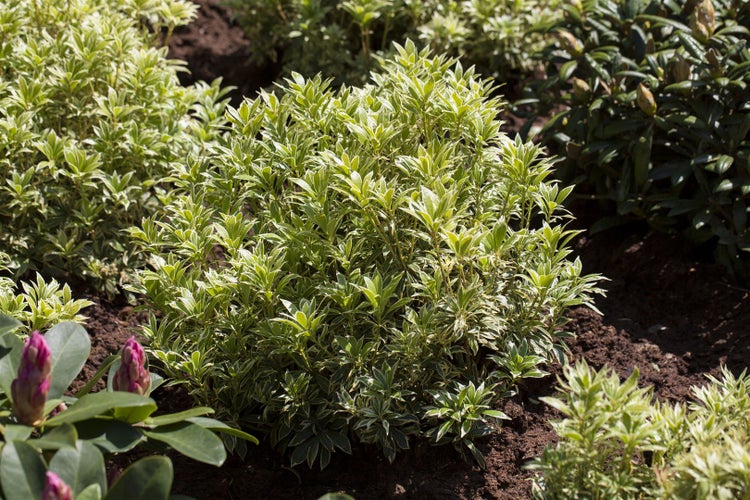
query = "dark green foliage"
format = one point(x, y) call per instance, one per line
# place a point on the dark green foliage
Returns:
point(655, 115)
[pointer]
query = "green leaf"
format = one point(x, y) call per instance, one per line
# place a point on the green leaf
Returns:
point(663, 21)
point(8, 325)
point(13, 432)
point(496, 414)
point(64, 436)
point(182, 416)
point(218, 426)
point(476, 453)
point(111, 436)
point(70, 347)
point(133, 414)
point(567, 69)
point(692, 45)
point(92, 492)
point(191, 440)
point(98, 375)
point(642, 157)
point(100, 403)
point(721, 165)
point(10, 357)
point(22, 471)
point(80, 467)
point(685, 85)
point(149, 477)
point(444, 428)
point(336, 496)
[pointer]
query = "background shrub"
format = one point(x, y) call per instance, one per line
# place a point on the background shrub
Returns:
point(92, 117)
point(340, 38)
point(652, 114)
point(617, 442)
point(374, 263)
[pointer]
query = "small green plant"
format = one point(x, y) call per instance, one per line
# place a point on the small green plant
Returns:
point(40, 304)
point(617, 442)
point(363, 264)
point(91, 118)
point(341, 39)
point(53, 443)
point(652, 115)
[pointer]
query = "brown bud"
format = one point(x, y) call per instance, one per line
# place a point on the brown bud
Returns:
point(570, 43)
point(712, 56)
point(650, 46)
point(581, 89)
point(681, 69)
point(704, 20)
point(645, 100)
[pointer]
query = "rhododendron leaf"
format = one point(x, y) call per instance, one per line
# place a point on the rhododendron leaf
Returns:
point(21, 471)
point(91, 492)
point(80, 467)
point(100, 403)
point(173, 418)
point(150, 477)
point(70, 347)
point(111, 436)
point(218, 426)
point(64, 436)
point(8, 324)
point(191, 440)
point(10, 357)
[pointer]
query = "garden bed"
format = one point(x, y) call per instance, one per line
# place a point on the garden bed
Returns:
point(666, 313)
point(672, 317)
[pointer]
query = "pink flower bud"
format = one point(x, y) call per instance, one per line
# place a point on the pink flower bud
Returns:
point(29, 390)
point(55, 488)
point(132, 376)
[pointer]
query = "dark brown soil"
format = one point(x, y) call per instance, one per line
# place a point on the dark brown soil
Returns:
point(670, 316)
point(214, 46)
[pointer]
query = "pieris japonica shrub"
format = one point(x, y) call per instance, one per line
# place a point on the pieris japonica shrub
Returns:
point(38, 304)
point(617, 442)
point(371, 264)
point(91, 116)
point(54, 445)
point(652, 115)
point(340, 38)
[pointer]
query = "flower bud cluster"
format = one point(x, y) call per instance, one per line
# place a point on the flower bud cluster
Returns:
point(132, 376)
point(29, 390)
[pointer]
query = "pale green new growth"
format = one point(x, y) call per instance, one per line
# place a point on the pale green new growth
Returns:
point(617, 442)
point(91, 117)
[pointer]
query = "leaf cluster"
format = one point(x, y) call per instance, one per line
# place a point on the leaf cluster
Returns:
point(91, 117)
point(79, 432)
point(617, 442)
point(39, 304)
point(375, 263)
point(651, 114)
point(340, 39)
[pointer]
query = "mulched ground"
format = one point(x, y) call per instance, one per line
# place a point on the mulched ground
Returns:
point(670, 315)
